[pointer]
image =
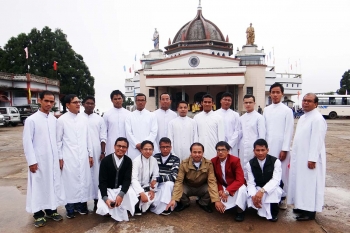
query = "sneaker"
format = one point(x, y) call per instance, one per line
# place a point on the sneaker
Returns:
point(283, 204)
point(40, 222)
point(70, 215)
point(166, 212)
point(138, 211)
point(55, 216)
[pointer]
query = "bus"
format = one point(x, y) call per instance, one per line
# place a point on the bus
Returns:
point(333, 106)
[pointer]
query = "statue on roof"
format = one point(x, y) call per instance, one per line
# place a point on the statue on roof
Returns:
point(250, 35)
point(155, 39)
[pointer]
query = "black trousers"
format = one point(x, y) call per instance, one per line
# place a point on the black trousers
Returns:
point(41, 213)
point(274, 209)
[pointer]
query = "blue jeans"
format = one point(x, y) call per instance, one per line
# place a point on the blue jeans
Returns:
point(41, 214)
point(70, 207)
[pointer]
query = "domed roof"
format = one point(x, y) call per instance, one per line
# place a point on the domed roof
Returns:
point(199, 29)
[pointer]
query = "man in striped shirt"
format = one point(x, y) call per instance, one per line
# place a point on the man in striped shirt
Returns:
point(168, 168)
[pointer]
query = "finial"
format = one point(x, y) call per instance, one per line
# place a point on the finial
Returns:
point(199, 5)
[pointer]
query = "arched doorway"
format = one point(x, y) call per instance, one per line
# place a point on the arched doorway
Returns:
point(198, 96)
point(177, 98)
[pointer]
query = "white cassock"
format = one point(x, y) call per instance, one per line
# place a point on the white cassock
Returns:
point(279, 122)
point(273, 191)
point(143, 172)
point(140, 126)
point(44, 187)
point(97, 134)
point(163, 119)
point(231, 123)
point(182, 132)
point(118, 213)
point(163, 197)
point(252, 127)
point(210, 128)
point(115, 124)
point(75, 148)
point(306, 186)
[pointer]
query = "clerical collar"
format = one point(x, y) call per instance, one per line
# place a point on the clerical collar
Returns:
point(72, 114)
point(43, 113)
point(208, 112)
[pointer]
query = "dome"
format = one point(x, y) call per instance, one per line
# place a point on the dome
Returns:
point(199, 29)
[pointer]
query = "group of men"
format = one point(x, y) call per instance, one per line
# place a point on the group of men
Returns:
point(157, 160)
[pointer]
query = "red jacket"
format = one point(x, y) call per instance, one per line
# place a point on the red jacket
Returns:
point(233, 173)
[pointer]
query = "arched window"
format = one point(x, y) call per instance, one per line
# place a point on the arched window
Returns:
point(223, 55)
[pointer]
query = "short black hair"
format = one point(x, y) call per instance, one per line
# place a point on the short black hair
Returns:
point(181, 102)
point(89, 97)
point(117, 92)
point(165, 140)
point(68, 98)
point(42, 94)
point(122, 139)
point(227, 94)
point(249, 96)
point(197, 144)
point(145, 142)
point(223, 143)
point(207, 96)
point(315, 97)
point(277, 85)
point(261, 142)
point(140, 94)
point(164, 93)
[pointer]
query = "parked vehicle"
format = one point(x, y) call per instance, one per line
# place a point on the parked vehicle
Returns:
point(2, 120)
point(26, 110)
point(11, 114)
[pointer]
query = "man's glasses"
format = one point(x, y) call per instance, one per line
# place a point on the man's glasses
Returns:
point(76, 102)
point(121, 147)
point(221, 150)
point(165, 147)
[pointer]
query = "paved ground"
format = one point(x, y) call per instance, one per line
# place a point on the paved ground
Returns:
point(334, 218)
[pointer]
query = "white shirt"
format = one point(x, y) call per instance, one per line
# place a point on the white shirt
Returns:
point(261, 163)
point(223, 164)
point(143, 170)
point(163, 119)
point(182, 131)
point(165, 158)
point(117, 160)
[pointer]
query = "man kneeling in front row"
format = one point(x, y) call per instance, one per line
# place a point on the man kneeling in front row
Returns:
point(116, 197)
point(264, 182)
point(230, 179)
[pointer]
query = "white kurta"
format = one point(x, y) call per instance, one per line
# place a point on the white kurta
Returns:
point(210, 128)
point(163, 197)
point(75, 147)
point(140, 126)
point(115, 124)
point(279, 122)
point(97, 134)
point(273, 191)
point(163, 119)
point(252, 127)
point(231, 123)
point(306, 186)
point(44, 187)
point(182, 132)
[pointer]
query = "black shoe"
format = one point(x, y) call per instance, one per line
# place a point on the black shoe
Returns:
point(181, 207)
point(70, 215)
point(166, 212)
point(138, 210)
point(239, 217)
point(304, 217)
point(298, 211)
point(206, 208)
point(273, 219)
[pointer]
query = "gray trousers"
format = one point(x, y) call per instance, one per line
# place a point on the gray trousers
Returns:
point(201, 192)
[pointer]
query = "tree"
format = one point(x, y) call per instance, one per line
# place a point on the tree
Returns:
point(128, 102)
point(44, 48)
point(344, 84)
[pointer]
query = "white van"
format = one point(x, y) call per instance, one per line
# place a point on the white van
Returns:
point(11, 114)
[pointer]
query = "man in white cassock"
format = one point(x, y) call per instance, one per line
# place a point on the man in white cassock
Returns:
point(140, 125)
point(231, 122)
point(252, 127)
point(264, 184)
point(230, 180)
point(279, 122)
point(76, 157)
point(44, 186)
point(307, 174)
point(144, 177)
point(164, 115)
point(210, 127)
point(116, 197)
point(182, 132)
point(115, 120)
point(168, 164)
point(98, 136)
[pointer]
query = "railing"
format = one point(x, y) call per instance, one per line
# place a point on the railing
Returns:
point(29, 77)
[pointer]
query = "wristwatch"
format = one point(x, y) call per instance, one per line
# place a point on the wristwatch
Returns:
point(227, 193)
point(103, 153)
point(262, 190)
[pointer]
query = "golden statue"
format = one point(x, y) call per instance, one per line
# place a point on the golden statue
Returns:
point(250, 35)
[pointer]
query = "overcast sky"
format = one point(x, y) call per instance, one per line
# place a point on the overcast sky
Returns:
point(312, 36)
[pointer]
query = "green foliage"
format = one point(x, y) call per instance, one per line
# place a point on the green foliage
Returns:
point(128, 102)
point(344, 83)
point(45, 47)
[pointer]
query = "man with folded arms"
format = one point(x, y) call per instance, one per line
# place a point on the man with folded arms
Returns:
point(230, 179)
point(196, 178)
point(115, 197)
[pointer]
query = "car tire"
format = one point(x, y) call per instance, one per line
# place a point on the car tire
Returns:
point(14, 124)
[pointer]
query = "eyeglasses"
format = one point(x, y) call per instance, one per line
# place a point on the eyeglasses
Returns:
point(121, 147)
point(76, 102)
point(308, 101)
point(165, 147)
point(147, 149)
point(221, 150)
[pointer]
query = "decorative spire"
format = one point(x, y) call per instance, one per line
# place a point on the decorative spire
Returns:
point(227, 40)
point(199, 5)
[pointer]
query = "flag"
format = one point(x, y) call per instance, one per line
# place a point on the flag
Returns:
point(55, 65)
point(26, 51)
point(124, 69)
point(129, 69)
point(29, 95)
